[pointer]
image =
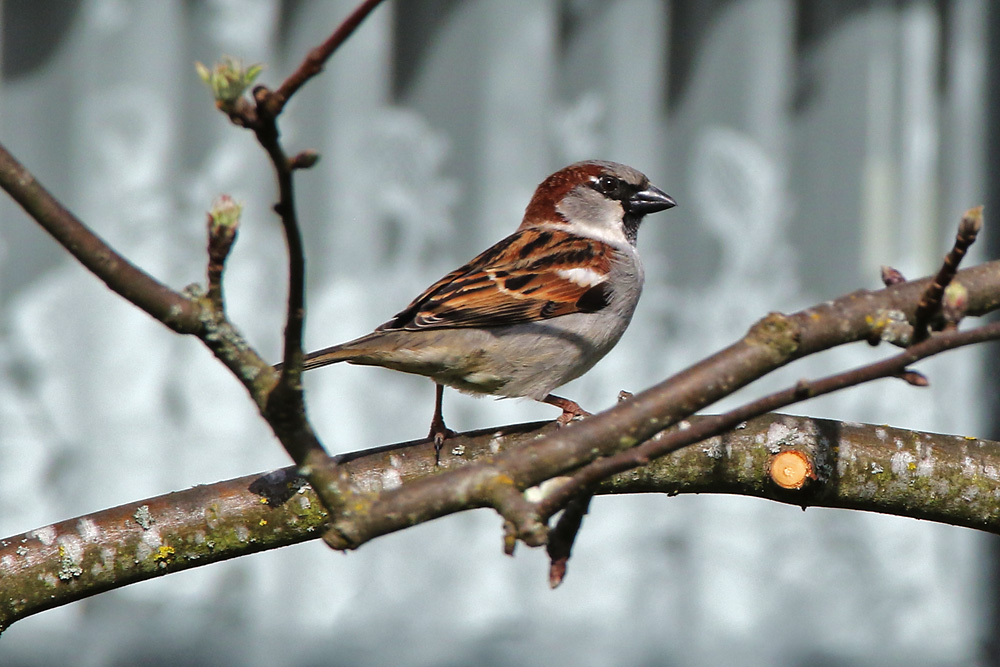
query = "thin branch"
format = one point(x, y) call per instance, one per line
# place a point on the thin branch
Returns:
point(175, 310)
point(223, 224)
point(584, 480)
point(262, 119)
point(931, 300)
point(284, 404)
point(268, 136)
point(562, 537)
point(314, 61)
point(284, 408)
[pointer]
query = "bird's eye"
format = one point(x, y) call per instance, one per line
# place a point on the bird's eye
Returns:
point(608, 186)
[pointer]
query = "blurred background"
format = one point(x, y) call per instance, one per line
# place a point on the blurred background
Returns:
point(807, 143)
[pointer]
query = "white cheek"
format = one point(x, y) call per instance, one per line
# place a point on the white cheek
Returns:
point(593, 216)
point(582, 276)
point(611, 233)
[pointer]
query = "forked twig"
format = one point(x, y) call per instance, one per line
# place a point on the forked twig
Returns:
point(931, 300)
point(583, 481)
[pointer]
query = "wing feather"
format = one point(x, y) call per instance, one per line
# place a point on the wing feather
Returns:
point(534, 274)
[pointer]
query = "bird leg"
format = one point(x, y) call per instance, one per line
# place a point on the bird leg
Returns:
point(570, 408)
point(439, 432)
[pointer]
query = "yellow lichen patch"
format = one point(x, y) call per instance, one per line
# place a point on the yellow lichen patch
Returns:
point(504, 479)
point(776, 331)
point(164, 553)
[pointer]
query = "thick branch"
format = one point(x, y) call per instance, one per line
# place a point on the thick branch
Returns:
point(896, 366)
point(949, 479)
point(771, 343)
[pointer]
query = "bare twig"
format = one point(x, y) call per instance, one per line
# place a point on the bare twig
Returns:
point(561, 537)
point(223, 224)
point(314, 61)
point(284, 407)
point(930, 300)
point(266, 131)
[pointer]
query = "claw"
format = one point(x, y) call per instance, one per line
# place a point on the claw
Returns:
point(439, 432)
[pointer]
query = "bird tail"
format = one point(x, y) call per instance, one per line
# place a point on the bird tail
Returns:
point(327, 356)
point(324, 357)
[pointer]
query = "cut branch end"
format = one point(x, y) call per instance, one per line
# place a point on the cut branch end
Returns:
point(791, 469)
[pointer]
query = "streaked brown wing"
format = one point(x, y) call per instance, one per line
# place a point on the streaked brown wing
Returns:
point(533, 274)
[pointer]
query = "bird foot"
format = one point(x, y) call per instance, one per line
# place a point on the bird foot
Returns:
point(439, 433)
point(571, 410)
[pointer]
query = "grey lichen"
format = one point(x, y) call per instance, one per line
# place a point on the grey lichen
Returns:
point(143, 517)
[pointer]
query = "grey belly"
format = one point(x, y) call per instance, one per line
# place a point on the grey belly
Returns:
point(528, 359)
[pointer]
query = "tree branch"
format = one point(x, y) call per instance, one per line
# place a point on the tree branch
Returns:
point(772, 342)
point(950, 479)
point(175, 310)
point(71, 559)
point(931, 301)
point(588, 476)
point(314, 61)
point(284, 405)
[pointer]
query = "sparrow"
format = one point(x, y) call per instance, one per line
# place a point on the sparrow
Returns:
point(535, 310)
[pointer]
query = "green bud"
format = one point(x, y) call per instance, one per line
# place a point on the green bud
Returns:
point(224, 216)
point(228, 80)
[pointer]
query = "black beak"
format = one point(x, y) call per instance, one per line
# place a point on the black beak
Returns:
point(650, 200)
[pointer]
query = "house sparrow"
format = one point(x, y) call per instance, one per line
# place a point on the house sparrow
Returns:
point(536, 310)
